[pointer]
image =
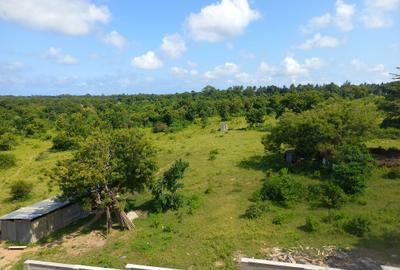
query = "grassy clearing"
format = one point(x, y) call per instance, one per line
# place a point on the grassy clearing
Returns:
point(34, 158)
point(210, 231)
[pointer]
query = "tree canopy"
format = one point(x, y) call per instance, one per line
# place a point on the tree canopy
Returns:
point(105, 167)
point(318, 132)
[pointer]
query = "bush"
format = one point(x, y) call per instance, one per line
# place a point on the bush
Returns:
point(328, 195)
point(20, 190)
point(394, 173)
point(256, 210)
point(282, 188)
point(212, 155)
point(165, 189)
point(279, 219)
point(63, 142)
point(7, 161)
point(7, 142)
point(160, 127)
point(333, 216)
point(353, 164)
point(312, 224)
point(358, 225)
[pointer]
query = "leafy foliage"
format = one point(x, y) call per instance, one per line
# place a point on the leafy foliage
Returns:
point(254, 117)
point(165, 190)
point(357, 225)
point(7, 161)
point(318, 132)
point(312, 224)
point(105, 166)
point(352, 166)
point(328, 195)
point(282, 188)
point(256, 210)
point(63, 142)
point(7, 141)
point(20, 190)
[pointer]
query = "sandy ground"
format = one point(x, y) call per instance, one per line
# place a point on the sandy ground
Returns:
point(73, 244)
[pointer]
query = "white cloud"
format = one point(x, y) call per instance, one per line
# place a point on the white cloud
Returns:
point(182, 72)
point(218, 21)
point(362, 67)
point(227, 69)
point(376, 14)
point(173, 45)
point(314, 63)
point(316, 23)
point(61, 58)
point(342, 18)
point(72, 17)
point(115, 39)
point(344, 14)
point(319, 41)
point(11, 66)
point(148, 60)
point(292, 68)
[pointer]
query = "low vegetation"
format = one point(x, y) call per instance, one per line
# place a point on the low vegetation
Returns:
point(238, 195)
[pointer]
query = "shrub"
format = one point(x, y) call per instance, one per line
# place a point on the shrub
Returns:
point(394, 173)
point(212, 155)
point(193, 203)
point(256, 210)
point(357, 225)
point(279, 219)
point(63, 142)
point(165, 189)
point(7, 142)
point(327, 195)
point(333, 216)
point(20, 190)
point(7, 161)
point(160, 127)
point(312, 224)
point(282, 188)
point(353, 164)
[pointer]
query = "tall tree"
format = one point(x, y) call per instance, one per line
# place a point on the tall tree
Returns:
point(104, 168)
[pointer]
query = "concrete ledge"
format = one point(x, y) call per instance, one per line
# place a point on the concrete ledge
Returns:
point(255, 264)
point(144, 267)
point(39, 265)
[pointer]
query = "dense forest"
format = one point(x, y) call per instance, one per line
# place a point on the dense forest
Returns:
point(75, 117)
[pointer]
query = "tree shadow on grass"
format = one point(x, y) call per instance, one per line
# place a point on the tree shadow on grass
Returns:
point(273, 162)
point(385, 245)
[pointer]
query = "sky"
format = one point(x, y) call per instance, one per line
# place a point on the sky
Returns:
point(53, 47)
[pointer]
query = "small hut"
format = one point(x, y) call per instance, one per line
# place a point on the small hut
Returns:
point(29, 224)
point(223, 127)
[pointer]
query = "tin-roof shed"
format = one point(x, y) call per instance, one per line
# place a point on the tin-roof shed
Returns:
point(28, 224)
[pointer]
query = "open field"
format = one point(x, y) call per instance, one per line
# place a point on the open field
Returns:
point(210, 232)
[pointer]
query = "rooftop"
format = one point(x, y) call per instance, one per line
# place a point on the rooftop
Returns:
point(36, 210)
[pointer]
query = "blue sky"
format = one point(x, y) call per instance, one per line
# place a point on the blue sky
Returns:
point(51, 47)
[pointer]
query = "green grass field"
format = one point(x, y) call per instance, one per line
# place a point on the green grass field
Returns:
point(211, 230)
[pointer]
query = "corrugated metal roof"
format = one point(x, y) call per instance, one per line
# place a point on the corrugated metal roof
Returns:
point(36, 210)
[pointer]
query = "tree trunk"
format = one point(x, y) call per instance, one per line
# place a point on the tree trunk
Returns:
point(123, 218)
point(97, 216)
point(108, 219)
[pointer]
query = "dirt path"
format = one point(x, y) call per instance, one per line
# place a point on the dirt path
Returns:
point(73, 244)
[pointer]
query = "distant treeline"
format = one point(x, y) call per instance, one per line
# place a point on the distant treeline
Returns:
point(81, 115)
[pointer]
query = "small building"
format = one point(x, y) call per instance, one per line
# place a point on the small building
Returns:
point(29, 224)
point(223, 127)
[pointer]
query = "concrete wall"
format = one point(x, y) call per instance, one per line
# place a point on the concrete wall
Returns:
point(254, 264)
point(39, 265)
point(143, 267)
